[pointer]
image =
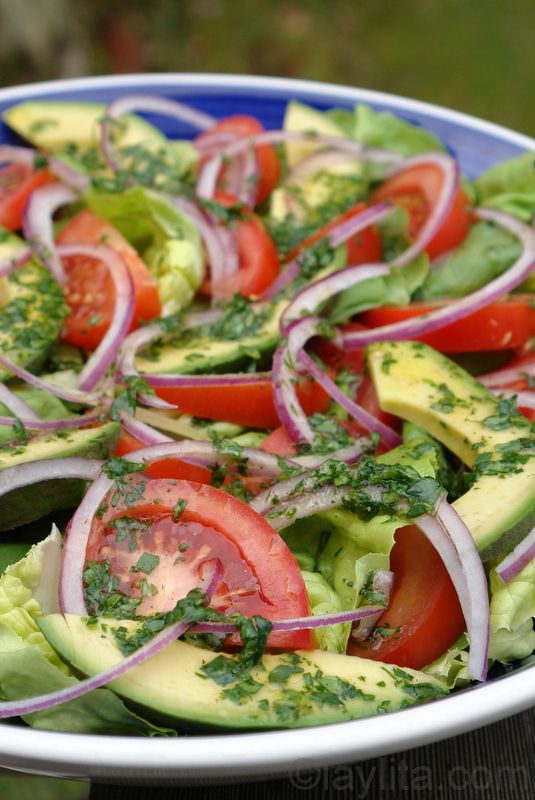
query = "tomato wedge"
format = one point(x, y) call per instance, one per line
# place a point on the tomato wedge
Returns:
point(258, 256)
point(504, 325)
point(168, 468)
point(17, 182)
point(416, 189)
point(90, 293)
point(365, 247)
point(251, 405)
point(423, 617)
point(242, 125)
point(259, 573)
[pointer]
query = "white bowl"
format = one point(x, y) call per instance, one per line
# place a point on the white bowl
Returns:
point(232, 757)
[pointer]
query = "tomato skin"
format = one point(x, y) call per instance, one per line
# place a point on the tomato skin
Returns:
point(416, 189)
point(251, 405)
point(90, 292)
point(363, 248)
point(167, 468)
point(279, 443)
point(258, 256)
point(242, 125)
point(352, 360)
point(280, 583)
point(17, 182)
point(423, 605)
point(503, 325)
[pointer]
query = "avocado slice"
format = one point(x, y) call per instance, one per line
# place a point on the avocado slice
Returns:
point(32, 310)
point(52, 125)
point(289, 690)
point(215, 348)
point(424, 387)
point(302, 118)
point(33, 502)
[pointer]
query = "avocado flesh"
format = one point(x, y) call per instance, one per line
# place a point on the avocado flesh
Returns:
point(301, 118)
point(32, 311)
point(52, 125)
point(422, 386)
point(33, 502)
point(172, 686)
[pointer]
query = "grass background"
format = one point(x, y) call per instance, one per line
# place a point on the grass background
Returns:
point(472, 55)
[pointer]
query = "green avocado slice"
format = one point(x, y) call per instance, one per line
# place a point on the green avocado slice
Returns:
point(32, 310)
point(33, 502)
point(487, 433)
point(288, 690)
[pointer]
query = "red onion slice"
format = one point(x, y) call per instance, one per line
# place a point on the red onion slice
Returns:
point(150, 104)
point(337, 236)
point(18, 708)
point(503, 377)
point(143, 432)
point(37, 225)
point(383, 581)
point(16, 405)
point(454, 543)
point(48, 469)
point(519, 558)
point(70, 395)
point(446, 197)
point(299, 623)
point(223, 379)
point(309, 299)
point(389, 436)
point(216, 249)
point(458, 309)
point(67, 423)
point(105, 354)
point(14, 154)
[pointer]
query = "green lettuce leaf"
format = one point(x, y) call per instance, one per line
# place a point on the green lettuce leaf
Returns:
point(514, 176)
point(324, 600)
point(452, 667)
point(382, 129)
point(168, 242)
point(512, 608)
point(24, 668)
point(394, 289)
point(487, 252)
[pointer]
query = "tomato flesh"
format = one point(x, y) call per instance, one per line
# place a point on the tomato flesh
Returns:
point(423, 611)
point(259, 573)
point(90, 291)
point(362, 248)
point(242, 125)
point(251, 405)
point(17, 182)
point(166, 468)
point(503, 325)
point(258, 256)
point(416, 189)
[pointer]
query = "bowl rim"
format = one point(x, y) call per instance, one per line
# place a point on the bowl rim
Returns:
point(271, 753)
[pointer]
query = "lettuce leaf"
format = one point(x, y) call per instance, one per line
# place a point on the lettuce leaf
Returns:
point(452, 667)
point(324, 600)
point(168, 242)
point(512, 608)
point(487, 252)
point(514, 176)
point(382, 129)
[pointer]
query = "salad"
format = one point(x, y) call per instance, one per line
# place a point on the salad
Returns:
point(266, 444)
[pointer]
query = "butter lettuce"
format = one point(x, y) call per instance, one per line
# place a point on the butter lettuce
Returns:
point(324, 600)
point(512, 608)
point(45, 405)
point(169, 243)
point(29, 665)
point(452, 667)
point(382, 129)
point(515, 177)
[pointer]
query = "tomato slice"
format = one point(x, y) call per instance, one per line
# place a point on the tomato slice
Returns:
point(503, 325)
point(279, 443)
point(168, 468)
point(242, 125)
point(90, 292)
point(416, 189)
point(365, 247)
point(424, 609)
point(259, 573)
point(521, 384)
point(251, 405)
point(258, 256)
point(17, 182)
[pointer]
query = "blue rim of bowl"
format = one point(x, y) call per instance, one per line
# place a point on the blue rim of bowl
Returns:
point(261, 754)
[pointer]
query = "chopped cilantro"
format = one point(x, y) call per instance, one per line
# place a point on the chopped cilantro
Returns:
point(147, 563)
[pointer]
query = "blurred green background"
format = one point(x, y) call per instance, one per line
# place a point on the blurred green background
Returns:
point(472, 55)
